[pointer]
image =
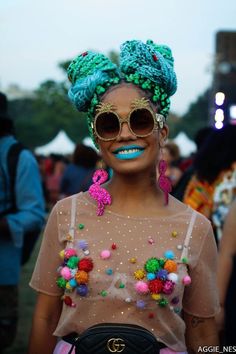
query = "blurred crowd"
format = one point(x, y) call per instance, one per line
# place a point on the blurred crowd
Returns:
point(63, 176)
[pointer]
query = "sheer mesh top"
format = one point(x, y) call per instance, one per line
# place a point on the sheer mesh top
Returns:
point(131, 241)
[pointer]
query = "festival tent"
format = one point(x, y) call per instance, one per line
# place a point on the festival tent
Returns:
point(186, 145)
point(87, 141)
point(61, 145)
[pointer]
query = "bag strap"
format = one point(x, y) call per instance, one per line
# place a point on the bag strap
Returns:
point(188, 235)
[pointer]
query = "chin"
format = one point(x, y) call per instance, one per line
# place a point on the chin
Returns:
point(131, 168)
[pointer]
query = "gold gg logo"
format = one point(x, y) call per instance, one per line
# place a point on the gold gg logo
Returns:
point(115, 345)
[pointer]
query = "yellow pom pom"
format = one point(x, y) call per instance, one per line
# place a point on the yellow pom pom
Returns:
point(62, 254)
point(139, 274)
point(156, 297)
point(68, 286)
point(170, 266)
point(133, 260)
point(174, 233)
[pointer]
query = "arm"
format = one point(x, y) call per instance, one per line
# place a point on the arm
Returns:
point(226, 253)
point(45, 319)
point(200, 332)
point(29, 199)
point(201, 302)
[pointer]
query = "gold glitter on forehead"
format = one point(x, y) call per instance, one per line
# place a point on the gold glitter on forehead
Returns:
point(105, 107)
point(140, 103)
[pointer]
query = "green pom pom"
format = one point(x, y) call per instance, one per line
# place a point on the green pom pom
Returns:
point(103, 293)
point(184, 260)
point(81, 226)
point(162, 262)
point(61, 282)
point(122, 285)
point(152, 265)
point(73, 262)
point(163, 302)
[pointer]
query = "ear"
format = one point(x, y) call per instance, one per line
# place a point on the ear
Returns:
point(163, 135)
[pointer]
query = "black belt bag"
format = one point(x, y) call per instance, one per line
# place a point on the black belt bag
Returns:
point(115, 338)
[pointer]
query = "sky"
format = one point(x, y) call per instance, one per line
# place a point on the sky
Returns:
point(37, 35)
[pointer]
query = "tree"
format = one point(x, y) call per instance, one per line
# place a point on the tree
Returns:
point(197, 116)
point(38, 120)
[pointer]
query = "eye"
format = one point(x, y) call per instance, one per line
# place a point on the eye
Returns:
point(141, 121)
point(107, 125)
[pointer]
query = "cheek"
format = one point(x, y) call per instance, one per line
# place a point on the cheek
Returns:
point(154, 147)
point(104, 149)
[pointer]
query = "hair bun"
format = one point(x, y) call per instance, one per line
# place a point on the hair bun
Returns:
point(86, 72)
point(151, 61)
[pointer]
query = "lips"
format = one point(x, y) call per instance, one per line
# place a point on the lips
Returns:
point(128, 152)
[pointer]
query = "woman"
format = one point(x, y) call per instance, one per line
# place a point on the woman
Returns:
point(77, 176)
point(143, 247)
point(226, 278)
point(213, 166)
point(171, 154)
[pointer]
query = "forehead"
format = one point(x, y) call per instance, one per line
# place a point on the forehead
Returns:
point(122, 95)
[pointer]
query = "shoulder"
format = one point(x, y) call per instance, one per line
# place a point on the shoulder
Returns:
point(66, 203)
point(179, 207)
point(26, 157)
point(199, 223)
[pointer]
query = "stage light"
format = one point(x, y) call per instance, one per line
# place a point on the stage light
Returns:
point(219, 125)
point(219, 98)
point(219, 115)
point(232, 111)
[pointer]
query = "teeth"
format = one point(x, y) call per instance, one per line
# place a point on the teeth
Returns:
point(130, 151)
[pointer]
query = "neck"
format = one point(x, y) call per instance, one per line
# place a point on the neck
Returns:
point(135, 194)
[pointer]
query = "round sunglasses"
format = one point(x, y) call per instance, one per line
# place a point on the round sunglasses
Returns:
point(141, 122)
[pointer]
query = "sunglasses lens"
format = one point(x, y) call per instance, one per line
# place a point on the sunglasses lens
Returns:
point(107, 125)
point(141, 122)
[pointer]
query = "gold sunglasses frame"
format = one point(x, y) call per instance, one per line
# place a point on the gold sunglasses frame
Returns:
point(138, 104)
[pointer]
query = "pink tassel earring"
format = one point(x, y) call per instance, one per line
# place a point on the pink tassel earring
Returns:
point(163, 181)
point(98, 193)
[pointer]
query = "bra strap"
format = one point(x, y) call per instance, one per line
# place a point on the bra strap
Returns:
point(72, 221)
point(188, 235)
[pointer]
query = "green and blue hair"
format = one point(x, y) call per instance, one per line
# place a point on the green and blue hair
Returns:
point(147, 65)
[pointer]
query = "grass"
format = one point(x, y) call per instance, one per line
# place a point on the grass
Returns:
point(27, 298)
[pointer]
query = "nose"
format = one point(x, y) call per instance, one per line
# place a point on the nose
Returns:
point(126, 133)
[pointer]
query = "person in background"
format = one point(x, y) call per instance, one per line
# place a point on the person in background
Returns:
point(14, 223)
point(77, 176)
point(171, 154)
point(56, 166)
point(227, 278)
point(215, 159)
point(187, 165)
point(126, 251)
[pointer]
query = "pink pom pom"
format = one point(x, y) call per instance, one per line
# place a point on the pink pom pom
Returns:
point(186, 280)
point(70, 252)
point(141, 287)
point(65, 273)
point(105, 254)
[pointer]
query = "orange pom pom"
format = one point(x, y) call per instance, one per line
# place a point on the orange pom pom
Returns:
point(170, 266)
point(81, 277)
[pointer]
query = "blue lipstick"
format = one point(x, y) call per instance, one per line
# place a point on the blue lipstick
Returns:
point(128, 152)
